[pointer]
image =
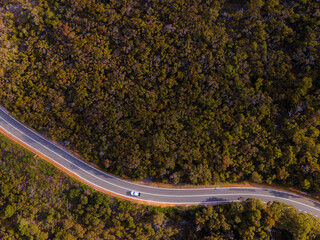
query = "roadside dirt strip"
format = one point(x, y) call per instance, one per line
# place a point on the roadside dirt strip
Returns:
point(68, 172)
point(152, 193)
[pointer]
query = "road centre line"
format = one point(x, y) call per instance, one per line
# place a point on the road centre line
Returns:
point(107, 175)
point(89, 165)
point(104, 173)
point(72, 156)
point(211, 195)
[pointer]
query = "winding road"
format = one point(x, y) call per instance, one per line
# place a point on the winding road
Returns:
point(104, 182)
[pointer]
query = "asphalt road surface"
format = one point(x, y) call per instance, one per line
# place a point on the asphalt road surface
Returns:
point(151, 194)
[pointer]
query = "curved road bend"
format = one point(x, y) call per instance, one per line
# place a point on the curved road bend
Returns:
point(155, 195)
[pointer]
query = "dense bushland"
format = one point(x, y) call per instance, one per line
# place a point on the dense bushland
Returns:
point(179, 91)
point(39, 202)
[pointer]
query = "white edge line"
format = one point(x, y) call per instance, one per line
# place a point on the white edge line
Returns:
point(128, 182)
point(104, 173)
point(122, 179)
point(103, 180)
point(144, 185)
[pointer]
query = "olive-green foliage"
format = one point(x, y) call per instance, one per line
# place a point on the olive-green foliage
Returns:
point(39, 202)
point(179, 91)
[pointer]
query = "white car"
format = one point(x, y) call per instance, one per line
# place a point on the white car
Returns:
point(132, 193)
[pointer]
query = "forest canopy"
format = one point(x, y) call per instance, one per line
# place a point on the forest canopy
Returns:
point(176, 91)
point(37, 201)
